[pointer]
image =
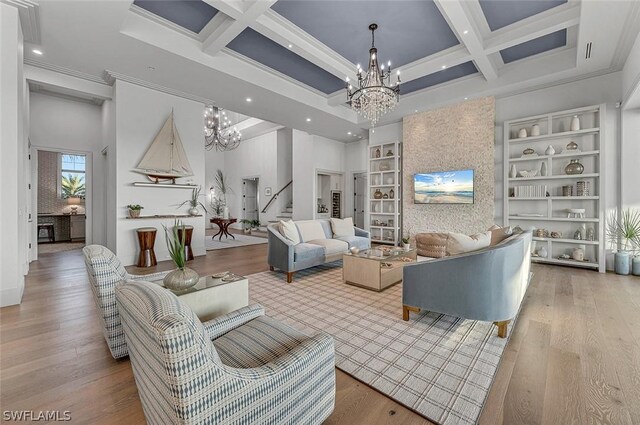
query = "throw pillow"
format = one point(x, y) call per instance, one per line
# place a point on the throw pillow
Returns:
point(498, 234)
point(310, 230)
point(457, 243)
point(342, 227)
point(431, 244)
point(289, 230)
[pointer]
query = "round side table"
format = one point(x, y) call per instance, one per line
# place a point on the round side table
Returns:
point(146, 240)
point(187, 241)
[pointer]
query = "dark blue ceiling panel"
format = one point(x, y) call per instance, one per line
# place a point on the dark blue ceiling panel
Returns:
point(439, 77)
point(500, 13)
point(190, 14)
point(261, 49)
point(407, 30)
point(535, 46)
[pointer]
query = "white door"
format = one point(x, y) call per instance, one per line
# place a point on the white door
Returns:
point(250, 199)
point(359, 194)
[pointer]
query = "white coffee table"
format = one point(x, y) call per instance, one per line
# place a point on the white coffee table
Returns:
point(212, 297)
point(376, 268)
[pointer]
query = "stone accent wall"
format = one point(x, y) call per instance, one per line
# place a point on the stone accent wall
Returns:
point(48, 199)
point(455, 137)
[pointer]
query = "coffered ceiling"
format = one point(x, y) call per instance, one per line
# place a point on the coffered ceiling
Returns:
point(292, 56)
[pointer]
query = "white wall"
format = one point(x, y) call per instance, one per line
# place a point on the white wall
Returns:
point(13, 192)
point(109, 173)
point(214, 161)
point(140, 113)
point(631, 72)
point(386, 133)
point(257, 157)
point(630, 158)
point(285, 168)
point(60, 123)
point(355, 162)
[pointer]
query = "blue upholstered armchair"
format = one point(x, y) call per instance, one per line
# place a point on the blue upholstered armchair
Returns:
point(241, 368)
point(105, 272)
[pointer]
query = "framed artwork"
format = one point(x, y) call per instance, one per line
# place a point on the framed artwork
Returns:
point(267, 191)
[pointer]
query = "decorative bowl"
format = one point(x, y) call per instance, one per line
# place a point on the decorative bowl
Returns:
point(528, 173)
point(354, 250)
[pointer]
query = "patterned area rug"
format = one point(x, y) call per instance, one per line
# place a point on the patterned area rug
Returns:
point(48, 248)
point(440, 366)
point(240, 240)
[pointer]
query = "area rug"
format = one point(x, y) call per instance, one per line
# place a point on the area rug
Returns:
point(440, 366)
point(48, 248)
point(240, 240)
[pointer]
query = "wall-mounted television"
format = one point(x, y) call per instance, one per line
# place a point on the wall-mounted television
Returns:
point(444, 187)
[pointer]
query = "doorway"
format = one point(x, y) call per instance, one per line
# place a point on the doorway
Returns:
point(250, 201)
point(359, 198)
point(62, 191)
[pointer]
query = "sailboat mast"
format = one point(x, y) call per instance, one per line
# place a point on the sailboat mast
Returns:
point(173, 138)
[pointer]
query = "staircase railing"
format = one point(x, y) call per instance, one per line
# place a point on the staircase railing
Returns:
point(274, 197)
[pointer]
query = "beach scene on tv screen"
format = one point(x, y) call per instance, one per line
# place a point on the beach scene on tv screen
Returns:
point(447, 187)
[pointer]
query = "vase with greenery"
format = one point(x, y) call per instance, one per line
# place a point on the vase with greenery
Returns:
point(246, 225)
point(223, 189)
point(194, 202)
point(217, 207)
point(182, 277)
point(406, 243)
point(134, 210)
point(624, 231)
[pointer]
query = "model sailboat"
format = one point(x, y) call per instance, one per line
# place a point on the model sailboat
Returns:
point(165, 159)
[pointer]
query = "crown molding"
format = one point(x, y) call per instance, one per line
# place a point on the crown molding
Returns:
point(164, 22)
point(110, 77)
point(29, 19)
point(628, 36)
point(63, 70)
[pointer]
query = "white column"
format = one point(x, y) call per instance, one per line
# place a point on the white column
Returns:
point(13, 228)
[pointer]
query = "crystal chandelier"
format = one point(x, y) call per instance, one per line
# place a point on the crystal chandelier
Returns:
point(218, 131)
point(375, 95)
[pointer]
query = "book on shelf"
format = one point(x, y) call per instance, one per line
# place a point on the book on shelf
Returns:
point(530, 191)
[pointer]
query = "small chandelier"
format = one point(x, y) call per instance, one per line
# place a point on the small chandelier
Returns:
point(375, 95)
point(218, 131)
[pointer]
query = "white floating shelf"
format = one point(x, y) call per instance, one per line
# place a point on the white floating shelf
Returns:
point(558, 155)
point(564, 176)
point(574, 263)
point(564, 240)
point(382, 158)
point(561, 135)
point(570, 220)
point(166, 185)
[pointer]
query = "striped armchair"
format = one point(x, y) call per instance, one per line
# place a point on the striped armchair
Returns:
point(105, 272)
point(241, 368)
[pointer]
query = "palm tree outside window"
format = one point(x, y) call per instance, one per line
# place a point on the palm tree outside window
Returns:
point(72, 175)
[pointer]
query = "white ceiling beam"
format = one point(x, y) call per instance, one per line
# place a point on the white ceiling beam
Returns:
point(231, 27)
point(556, 19)
point(285, 33)
point(230, 8)
point(468, 33)
point(29, 19)
point(75, 85)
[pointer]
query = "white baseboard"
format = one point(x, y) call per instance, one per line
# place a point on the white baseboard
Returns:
point(12, 296)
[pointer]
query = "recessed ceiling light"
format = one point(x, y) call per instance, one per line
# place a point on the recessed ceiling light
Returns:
point(465, 32)
point(349, 133)
point(151, 68)
point(444, 66)
point(308, 119)
point(416, 110)
point(248, 99)
point(466, 98)
point(37, 51)
point(290, 46)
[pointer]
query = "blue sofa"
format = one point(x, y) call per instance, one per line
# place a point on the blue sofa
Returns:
point(317, 246)
point(488, 284)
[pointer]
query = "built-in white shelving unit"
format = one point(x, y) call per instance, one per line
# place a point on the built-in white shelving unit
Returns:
point(549, 211)
point(384, 193)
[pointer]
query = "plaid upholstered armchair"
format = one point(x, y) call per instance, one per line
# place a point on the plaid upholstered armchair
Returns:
point(105, 272)
point(241, 368)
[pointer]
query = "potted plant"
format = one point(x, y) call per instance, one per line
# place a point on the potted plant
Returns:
point(182, 277)
point(625, 230)
point(406, 243)
point(246, 225)
point(217, 207)
point(134, 210)
point(223, 189)
point(194, 202)
point(255, 224)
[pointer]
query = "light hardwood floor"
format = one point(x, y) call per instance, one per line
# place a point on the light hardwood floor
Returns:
point(573, 358)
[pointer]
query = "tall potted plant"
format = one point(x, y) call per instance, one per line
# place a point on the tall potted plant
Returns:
point(182, 277)
point(194, 202)
point(223, 189)
point(625, 230)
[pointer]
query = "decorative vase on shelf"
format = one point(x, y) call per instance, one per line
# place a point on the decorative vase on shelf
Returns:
point(578, 235)
point(591, 234)
point(378, 153)
point(377, 194)
point(635, 268)
point(574, 167)
point(575, 123)
point(392, 194)
point(578, 254)
point(622, 262)
point(543, 169)
point(550, 151)
point(390, 153)
point(542, 252)
point(535, 130)
point(522, 133)
point(180, 279)
point(194, 211)
point(513, 172)
point(572, 146)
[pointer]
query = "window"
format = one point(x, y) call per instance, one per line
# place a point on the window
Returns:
point(72, 175)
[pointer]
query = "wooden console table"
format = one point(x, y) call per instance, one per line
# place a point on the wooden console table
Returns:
point(223, 225)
